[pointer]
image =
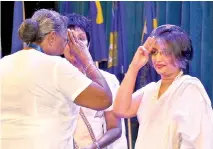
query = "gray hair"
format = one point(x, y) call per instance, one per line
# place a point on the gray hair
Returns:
point(178, 41)
point(42, 22)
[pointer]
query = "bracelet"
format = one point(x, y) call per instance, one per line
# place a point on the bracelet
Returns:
point(97, 145)
point(90, 71)
point(87, 66)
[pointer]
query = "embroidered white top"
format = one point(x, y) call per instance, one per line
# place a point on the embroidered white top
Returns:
point(97, 121)
point(37, 94)
point(180, 119)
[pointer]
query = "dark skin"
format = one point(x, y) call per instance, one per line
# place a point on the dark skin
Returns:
point(98, 91)
point(113, 123)
point(97, 95)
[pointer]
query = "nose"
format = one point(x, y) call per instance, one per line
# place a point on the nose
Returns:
point(158, 56)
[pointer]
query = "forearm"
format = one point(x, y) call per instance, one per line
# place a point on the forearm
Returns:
point(94, 74)
point(80, 52)
point(109, 137)
point(124, 95)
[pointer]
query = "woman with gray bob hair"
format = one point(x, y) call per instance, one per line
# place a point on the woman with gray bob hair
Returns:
point(41, 90)
point(174, 112)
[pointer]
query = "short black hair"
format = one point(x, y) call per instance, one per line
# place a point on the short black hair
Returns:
point(179, 42)
point(77, 20)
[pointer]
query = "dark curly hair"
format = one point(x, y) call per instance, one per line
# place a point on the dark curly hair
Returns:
point(77, 20)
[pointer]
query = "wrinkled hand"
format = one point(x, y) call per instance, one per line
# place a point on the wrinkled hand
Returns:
point(72, 59)
point(141, 56)
point(77, 48)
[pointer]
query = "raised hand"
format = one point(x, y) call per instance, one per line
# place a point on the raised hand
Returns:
point(72, 59)
point(78, 49)
point(141, 56)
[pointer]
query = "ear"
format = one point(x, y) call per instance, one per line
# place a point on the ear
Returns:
point(51, 38)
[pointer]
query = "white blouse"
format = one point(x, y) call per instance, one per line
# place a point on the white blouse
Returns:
point(97, 121)
point(181, 118)
point(37, 101)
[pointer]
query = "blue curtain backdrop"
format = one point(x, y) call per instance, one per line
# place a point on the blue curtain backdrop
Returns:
point(195, 17)
point(18, 18)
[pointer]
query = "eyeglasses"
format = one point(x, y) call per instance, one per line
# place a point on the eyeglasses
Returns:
point(162, 53)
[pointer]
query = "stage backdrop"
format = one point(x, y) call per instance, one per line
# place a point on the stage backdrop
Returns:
point(118, 28)
point(195, 17)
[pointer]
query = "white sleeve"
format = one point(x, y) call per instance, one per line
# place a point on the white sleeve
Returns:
point(114, 86)
point(69, 80)
point(196, 126)
point(140, 91)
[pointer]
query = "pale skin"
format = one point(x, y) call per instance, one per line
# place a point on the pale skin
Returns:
point(164, 66)
point(113, 123)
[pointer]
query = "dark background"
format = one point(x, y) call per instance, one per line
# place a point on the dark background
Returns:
point(7, 19)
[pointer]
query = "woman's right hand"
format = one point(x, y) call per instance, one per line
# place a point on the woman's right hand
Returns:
point(78, 49)
point(141, 56)
point(72, 59)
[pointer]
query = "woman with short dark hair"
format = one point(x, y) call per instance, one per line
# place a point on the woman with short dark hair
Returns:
point(175, 112)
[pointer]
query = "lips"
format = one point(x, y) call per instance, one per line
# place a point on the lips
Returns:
point(159, 66)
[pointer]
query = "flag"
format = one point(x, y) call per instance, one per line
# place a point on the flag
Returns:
point(147, 73)
point(113, 38)
point(65, 7)
point(97, 48)
point(18, 18)
point(117, 62)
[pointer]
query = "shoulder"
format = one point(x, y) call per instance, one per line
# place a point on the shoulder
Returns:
point(149, 87)
point(191, 84)
point(189, 80)
point(110, 78)
point(108, 75)
point(193, 90)
point(63, 65)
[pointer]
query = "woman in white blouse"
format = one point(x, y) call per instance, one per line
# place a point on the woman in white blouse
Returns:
point(40, 90)
point(175, 112)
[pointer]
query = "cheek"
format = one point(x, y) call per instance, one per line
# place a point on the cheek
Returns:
point(57, 48)
point(171, 62)
point(61, 45)
point(153, 61)
point(171, 65)
point(85, 42)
